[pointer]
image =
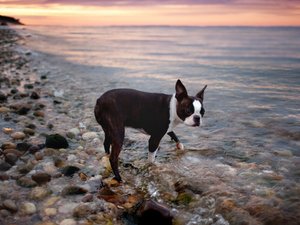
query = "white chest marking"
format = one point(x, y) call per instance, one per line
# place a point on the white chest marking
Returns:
point(174, 119)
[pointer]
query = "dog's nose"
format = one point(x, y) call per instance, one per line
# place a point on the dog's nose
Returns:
point(197, 120)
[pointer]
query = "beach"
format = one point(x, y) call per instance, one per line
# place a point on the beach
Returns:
point(241, 167)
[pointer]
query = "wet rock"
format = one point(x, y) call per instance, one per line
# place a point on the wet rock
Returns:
point(56, 141)
point(25, 168)
point(26, 182)
point(13, 151)
point(82, 210)
point(4, 109)
point(50, 211)
point(8, 145)
point(34, 95)
point(39, 193)
point(110, 196)
point(3, 97)
point(43, 77)
point(284, 153)
point(69, 170)
point(7, 130)
point(4, 213)
point(88, 198)
point(23, 147)
point(11, 158)
point(38, 156)
point(73, 190)
point(28, 86)
point(41, 178)
point(29, 131)
point(33, 149)
point(73, 133)
point(27, 208)
point(10, 205)
point(151, 212)
point(68, 222)
point(3, 176)
point(18, 135)
point(50, 152)
point(39, 106)
point(14, 91)
point(4, 166)
point(58, 162)
point(31, 126)
point(184, 198)
point(21, 109)
point(39, 114)
point(89, 136)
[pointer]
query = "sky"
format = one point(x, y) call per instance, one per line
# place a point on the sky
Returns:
point(154, 12)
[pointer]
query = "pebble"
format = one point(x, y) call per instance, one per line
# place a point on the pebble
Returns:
point(10, 205)
point(89, 136)
point(26, 182)
point(4, 109)
point(33, 149)
point(82, 211)
point(50, 211)
point(11, 158)
point(69, 170)
point(68, 222)
point(18, 135)
point(27, 208)
point(39, 193)
point(23, 147)
point(29, 131)
point(39, 114)
point(73, 190)
point(7, 130)
point(38, 156)
point(73, 133)
point(3, 97)
point(284, 153)
point(56, 141)
point(8, 145)
point(4, 166)
point(67, 208)
point(34, 95)
point(41, 178)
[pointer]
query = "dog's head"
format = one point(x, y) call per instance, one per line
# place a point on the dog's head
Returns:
point(189, 109)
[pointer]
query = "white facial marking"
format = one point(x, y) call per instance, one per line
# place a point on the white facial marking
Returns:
point(151, 156)
point(190, 120)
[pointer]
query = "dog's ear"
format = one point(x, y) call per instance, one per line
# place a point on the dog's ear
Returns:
point(201, 93)
point(180, 91)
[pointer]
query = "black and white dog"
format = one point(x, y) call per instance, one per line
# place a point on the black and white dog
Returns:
point(155, 113)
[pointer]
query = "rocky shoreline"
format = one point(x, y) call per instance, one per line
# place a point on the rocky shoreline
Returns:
point(53, 168)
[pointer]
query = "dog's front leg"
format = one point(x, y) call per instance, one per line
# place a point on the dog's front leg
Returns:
point(153, 147)
point(174, 137)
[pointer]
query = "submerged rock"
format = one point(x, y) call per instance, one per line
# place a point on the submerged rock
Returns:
point(4, 166)
point(10, 205)
point(151, 212)
point(56, 141)
point(18, 135)
point(73, 190)
point(27, 208)
point(26, 182)
point(39, 193)
point(41, 178)
point(82, 210)
point(69, 170)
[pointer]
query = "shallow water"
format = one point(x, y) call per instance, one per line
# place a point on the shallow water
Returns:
point(249, 143)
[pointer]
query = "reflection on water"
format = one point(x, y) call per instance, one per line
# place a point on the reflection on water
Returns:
point(249, 143)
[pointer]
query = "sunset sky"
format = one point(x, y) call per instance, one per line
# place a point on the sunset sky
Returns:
point(155, 12)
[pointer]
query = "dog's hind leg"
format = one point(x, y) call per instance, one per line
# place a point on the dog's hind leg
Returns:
point(107, 143)
point(117, 142)
point(174, 137)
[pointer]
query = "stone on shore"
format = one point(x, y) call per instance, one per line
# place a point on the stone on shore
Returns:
point(27, 208)
point(56, 141)
point(18, 135)
point(41, 178)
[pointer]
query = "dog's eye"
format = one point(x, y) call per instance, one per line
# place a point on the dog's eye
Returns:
point(189, 111)
point(202, 111)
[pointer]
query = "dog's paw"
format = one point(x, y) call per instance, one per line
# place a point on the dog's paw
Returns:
point(179, 146)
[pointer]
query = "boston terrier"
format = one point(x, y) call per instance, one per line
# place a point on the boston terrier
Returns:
point(154, 113)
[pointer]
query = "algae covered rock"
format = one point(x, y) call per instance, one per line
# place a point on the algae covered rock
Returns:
point(56, 141)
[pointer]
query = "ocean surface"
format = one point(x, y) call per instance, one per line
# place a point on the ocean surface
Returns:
point(252, 101)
